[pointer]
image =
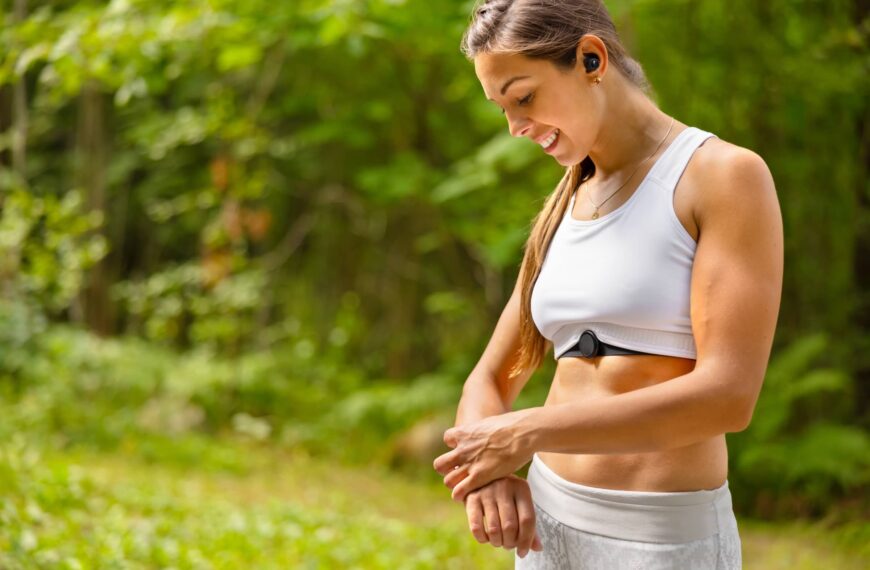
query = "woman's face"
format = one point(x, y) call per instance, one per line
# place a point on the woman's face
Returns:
point(540, 101)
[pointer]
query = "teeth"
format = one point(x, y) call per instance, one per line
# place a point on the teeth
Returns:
point(550, 139)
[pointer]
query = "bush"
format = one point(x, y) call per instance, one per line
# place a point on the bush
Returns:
point(799, 454)
point(85, 390)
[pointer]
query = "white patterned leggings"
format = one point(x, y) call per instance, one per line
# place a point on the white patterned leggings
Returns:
point(592, 528)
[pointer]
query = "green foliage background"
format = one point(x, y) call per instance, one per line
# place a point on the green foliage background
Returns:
point(297, 222)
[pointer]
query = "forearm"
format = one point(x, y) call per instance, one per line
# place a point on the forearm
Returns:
point(480, 399)
point(679, 412)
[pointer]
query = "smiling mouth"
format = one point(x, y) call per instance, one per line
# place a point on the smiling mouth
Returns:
point(550, 140)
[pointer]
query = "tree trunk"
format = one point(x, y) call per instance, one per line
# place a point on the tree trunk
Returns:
point(97, 310)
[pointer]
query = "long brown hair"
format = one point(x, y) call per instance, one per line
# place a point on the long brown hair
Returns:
point(548, 30)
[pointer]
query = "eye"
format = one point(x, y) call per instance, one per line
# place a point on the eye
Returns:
point(522, 102)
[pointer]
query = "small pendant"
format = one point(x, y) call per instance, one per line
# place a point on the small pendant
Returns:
point(595, 215)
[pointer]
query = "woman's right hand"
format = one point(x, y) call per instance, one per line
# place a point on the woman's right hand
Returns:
point(506, 503)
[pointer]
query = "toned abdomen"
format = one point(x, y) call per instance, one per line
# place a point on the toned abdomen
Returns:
point(703, 465)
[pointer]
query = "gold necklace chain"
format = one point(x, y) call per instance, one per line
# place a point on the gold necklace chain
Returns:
point(595, 214)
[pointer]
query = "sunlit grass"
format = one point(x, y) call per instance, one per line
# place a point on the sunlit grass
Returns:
point(262, 509)
point(199, 503)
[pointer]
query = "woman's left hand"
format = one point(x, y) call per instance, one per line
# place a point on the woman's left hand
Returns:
point(484, 451)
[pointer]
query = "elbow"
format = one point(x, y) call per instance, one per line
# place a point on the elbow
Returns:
point(743, 409)
point(739, 424)
point(733, 394)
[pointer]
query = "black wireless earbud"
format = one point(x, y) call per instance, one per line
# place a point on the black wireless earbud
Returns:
point(591, 62)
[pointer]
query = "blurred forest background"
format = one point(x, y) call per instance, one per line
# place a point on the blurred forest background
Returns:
point(250, 251)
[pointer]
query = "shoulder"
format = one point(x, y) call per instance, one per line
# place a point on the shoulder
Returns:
point(734, 183)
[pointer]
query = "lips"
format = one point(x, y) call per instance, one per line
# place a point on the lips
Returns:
point(549, 142)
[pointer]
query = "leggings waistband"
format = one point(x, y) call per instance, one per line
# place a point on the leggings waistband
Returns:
point(644, 516)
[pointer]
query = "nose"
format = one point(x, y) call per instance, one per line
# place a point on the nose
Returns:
point(518, 126)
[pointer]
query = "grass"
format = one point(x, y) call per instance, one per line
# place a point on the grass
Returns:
point(201, 504)
point(804, 546)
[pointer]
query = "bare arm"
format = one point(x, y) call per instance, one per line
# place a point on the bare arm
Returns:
point(487, 391)
point(735, 297)
point(506, 504)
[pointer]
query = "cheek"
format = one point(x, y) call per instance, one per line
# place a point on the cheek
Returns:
point(576, 120)
point(573, 117)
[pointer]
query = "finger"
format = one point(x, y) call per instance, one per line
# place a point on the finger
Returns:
point(445, 462)
point(455, 476)
point(507, 509)
point(474, 512)
point(471, 482)
point(493, 521)
point(465, 486)
point(526, 516)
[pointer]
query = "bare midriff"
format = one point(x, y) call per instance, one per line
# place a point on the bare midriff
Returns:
point(702, 465)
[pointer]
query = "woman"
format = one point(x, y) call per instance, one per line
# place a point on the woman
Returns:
point(654, 271)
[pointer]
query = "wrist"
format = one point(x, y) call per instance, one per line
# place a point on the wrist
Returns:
point(526, 432)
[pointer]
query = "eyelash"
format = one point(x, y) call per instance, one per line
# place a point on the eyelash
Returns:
point(524, 101)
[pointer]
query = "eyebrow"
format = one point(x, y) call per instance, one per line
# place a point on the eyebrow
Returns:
point(511, 80)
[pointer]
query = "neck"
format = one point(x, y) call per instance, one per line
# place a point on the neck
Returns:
point(634, 128)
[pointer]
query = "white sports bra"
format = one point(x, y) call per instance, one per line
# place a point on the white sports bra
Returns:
point(626, 275)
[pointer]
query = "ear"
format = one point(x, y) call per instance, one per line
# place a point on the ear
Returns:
point(591, 44)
